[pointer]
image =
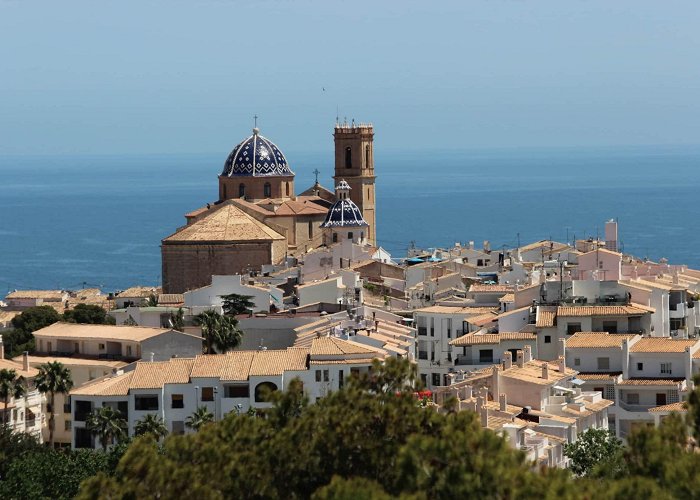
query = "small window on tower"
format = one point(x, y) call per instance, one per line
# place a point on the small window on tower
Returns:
point(367, 163)
point(335, 237)
point(350, 235)
point(241, 190)
point(287, 188)
point(311, 229)
point(267, 190)
point(348, 157)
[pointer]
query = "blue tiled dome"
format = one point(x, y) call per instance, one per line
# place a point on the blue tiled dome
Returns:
point(344, 212)
point(256, 157)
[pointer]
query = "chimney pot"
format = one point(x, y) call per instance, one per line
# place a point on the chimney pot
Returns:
point(562, 347)
point(527, 354)
point(507, 360)
point(152, 356)
point(484, 417)
point(562, 364)
point(503, 402)
point(545, 370)
point(520, 358)
point(25, 361)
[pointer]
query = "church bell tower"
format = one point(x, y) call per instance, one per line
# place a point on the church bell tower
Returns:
point(354, 162)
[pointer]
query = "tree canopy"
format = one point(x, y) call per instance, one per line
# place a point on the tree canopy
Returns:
point(234, 304)
point(88, 314)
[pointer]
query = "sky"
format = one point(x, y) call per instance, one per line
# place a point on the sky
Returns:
point(156, 76)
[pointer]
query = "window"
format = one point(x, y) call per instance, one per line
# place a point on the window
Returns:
point(348, 157)
point(572, 328)
point(262, 390)
point(600, 264)
point(207, 394)
point(286, 187)
point(633, 398)
point(66, 405)
point(577, 361)
point(350, 235)
point(666, 368)
point(485, 355)
point(609, 392)
point(76, 347)
point(335, 237)
point(318, 375)
point(178, 427)
point(367, 162)
point(101, 347)
point(610, 326)
point(603, 363)
point(146, 403)
point(267, 190)
point(128, 350)
point(237, 391)
point(640, 366)
point(241, 190)
point(547, 339)
point(660, 398)
point(82, 410)
point(311, 229)
point(341, 378)
point(424, 379)
point(436, 379)
point(67, 425)
point(177, 401)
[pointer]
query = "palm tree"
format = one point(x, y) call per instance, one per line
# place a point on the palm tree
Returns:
point(220, 333)
point(200, 417)
point(53, 378)
point(11, 386)
point(151, 424)
point(108, 424)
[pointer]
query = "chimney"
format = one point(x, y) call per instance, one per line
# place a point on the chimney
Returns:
point(507, 360)
point(468, 392)
point(562, 364)
point(479, 404)
point(484, 417)
point(25, 361)
point(562, 347)
point(519, 360)
point(2, 349)
point(527, 354)
point(152, 356)
point(495, 381)
point(503, 402)
point(545, 370)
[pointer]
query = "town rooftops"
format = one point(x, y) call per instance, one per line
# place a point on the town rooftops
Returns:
point(154, 375)
point(659, 344)
point(100, 332)
point(579, 311)
point(486, 288)
point(478, 338)
point(228, 223)
point(56, 295)
point(461, 310)
point(610, 377)
point(679, 406)
point(545, 244)
point(142, 292)
point(597, 340)
point(532, 372)
point(334, 346)
point(171, 299)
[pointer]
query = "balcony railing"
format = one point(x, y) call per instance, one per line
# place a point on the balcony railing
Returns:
point(637, 408)
point(462, 360)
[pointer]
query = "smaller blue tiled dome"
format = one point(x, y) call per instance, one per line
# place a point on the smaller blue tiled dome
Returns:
point(344, 212)
point(256, 157)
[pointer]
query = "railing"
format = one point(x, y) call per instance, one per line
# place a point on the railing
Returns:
point(461, 360)
point(637, 408)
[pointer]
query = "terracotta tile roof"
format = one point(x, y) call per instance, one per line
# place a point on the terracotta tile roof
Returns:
point(37, 294)
point(477, 338)
point(165, 299)
point(296, 207)
point(509, 297)
point(597, 340)
point(99, 332)
point(139, 292)
point(111, 386)
point(652, 381)
point(544, 243)
point(277, 362)
point(532, 372)
point(612, 376)
point(662, 344)
point(353, 361)
point(6, 364)
point(545, 317)
point(228, 223)
point(74, 361)
point(514, 311)
point(578, 311)
point(6, 316)
point(483, 288)
point(482, 319)
point(232, 366)
point(473, 311)
point(679, 407)
point(334, 346)
point(155, 375)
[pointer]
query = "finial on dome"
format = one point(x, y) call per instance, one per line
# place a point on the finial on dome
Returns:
point(256, 130)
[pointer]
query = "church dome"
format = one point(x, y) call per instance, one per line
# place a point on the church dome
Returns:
point(256, 157)
point(344, 212)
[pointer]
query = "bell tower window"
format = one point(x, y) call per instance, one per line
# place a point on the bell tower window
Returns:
point(267, 190)
point(287, 188)
point(241, 190)
point(348, 157)
point(367, 163)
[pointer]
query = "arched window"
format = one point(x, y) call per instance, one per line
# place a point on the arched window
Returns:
point(311, 229)
point(287, 188)
point(241, 190)
point(369, 196)
point(350, 235)
point(335, 237)
point(362, 235)
point(348, 157)
point(263, 390)
point(267, 190)
point(367, 163)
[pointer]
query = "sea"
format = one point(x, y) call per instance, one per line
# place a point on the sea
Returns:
point(73, 221)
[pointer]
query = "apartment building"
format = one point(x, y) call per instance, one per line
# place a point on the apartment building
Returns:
point(24, 414)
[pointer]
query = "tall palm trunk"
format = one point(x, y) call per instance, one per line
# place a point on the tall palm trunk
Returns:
point(51, 419)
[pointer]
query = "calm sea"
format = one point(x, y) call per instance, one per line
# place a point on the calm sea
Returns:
point(98, 220)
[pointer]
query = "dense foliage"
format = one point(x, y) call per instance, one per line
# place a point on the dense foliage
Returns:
point(88, 314)
point(234, 304)
point(593, 448)
point(220, 333)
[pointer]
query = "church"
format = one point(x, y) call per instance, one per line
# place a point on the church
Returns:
point(259, 220)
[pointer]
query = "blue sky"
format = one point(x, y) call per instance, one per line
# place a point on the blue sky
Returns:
point(187, 77)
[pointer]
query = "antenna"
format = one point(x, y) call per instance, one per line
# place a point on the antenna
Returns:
point(316, 172)
point(337, 112)
point(255, 121)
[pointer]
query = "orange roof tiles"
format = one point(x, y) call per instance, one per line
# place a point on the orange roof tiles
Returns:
point(154, 375)
point(99, 332)
point(333, 346)
point(680, 406)
point(491, 338)
point(111, 386)
point(483, 288)
point(545, 317)
point(661, 344)
point(652, 381)
point(597, 340)
point(277, 362)
point(577, 311)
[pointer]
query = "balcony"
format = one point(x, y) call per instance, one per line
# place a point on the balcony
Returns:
point(465, 360)
point(636, 408)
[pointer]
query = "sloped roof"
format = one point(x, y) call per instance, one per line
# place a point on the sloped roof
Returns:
point(228, 223)
point(100, 332)
point(112, 386)
point(18, 367)
point(680, 406)
point(491, 338)
point(153, 375)
point(597, 339)
point(334, 346)
point(296, 207)
point(662, 344)
point(580, 311)
point(546, 317)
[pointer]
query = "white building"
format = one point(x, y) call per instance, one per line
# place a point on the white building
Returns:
point(209, 297)
point(24, 414)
